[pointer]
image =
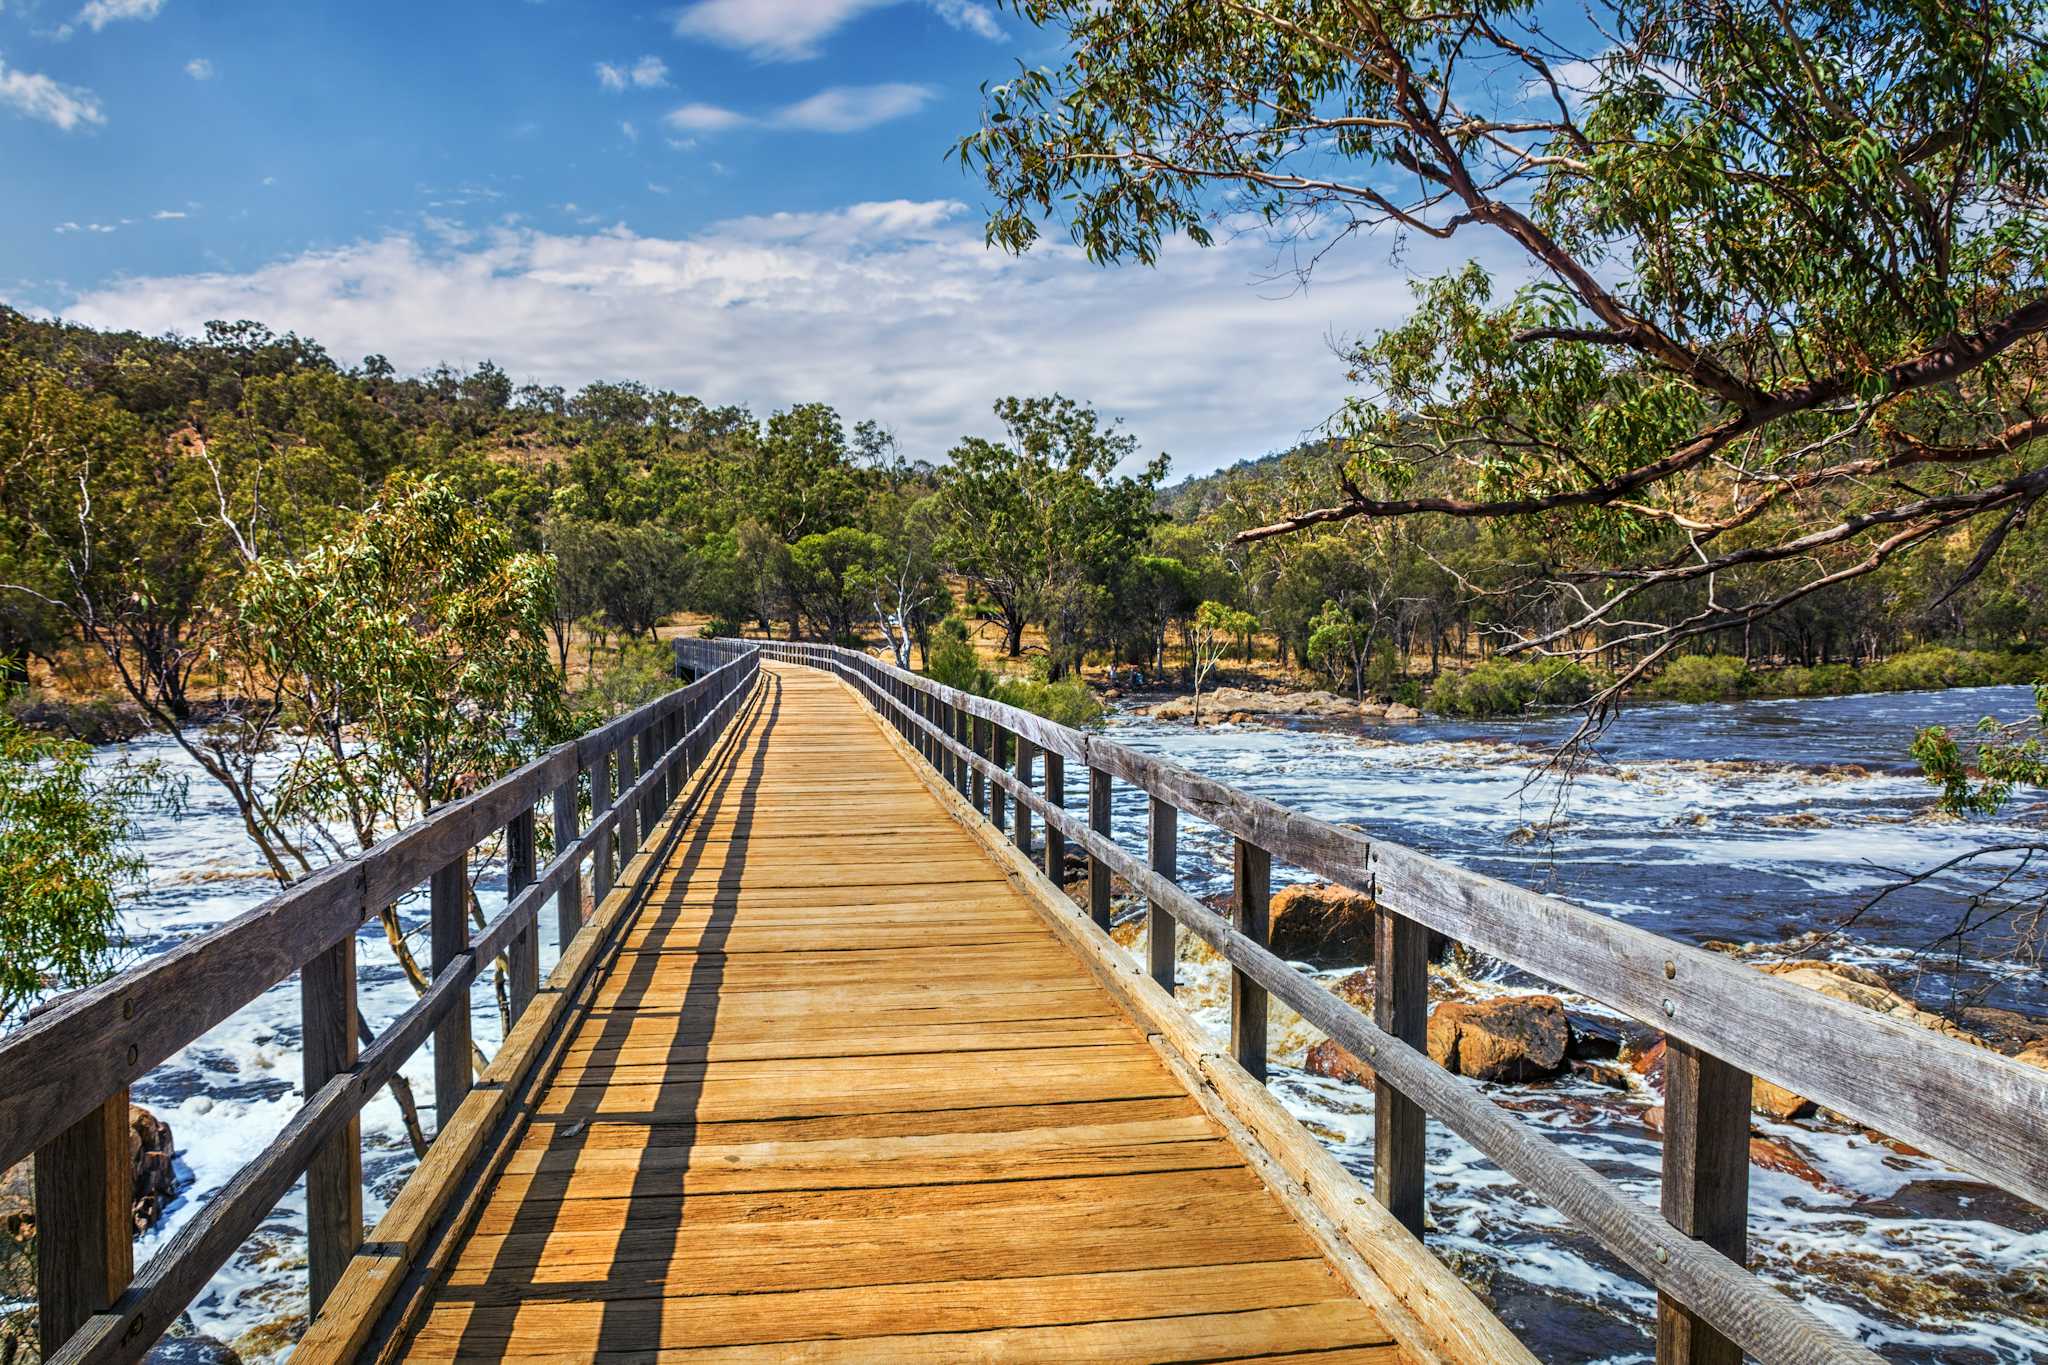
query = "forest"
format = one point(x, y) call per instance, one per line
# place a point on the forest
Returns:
point(144, 481)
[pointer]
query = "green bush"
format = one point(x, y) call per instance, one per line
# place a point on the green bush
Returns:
point(1822, 680)
point(1509, 687)
point(951, 661)
point(1702, 677)
point(636, 674)
point(1066, 702)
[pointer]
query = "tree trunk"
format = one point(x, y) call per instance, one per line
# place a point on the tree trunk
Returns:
point(1013, 636)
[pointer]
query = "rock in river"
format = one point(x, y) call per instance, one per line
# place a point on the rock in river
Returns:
point(1321, 923)
point(1514, 1038)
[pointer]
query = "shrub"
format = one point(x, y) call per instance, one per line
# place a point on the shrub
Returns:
point(950, 659)
point(1702, 677)
point(636, 674)
point(1066, 702)
point(1823, 680)
point(1509, 687)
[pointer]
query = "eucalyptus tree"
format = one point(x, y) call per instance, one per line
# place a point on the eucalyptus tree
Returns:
point(1038, 522)
point(1781, 298)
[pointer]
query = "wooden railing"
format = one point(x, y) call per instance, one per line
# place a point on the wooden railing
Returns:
point(64, 1077)
point(1724, 1023)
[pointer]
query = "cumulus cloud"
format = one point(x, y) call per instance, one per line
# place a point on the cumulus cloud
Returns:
point(850, 108)
point(648, 73)
point(199, 69)
point(893, 309)
point(795, 30)
point(836, 109)
point(34, 95)
point(97, 14)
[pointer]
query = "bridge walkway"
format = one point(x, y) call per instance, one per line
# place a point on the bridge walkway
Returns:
point(843, 1095)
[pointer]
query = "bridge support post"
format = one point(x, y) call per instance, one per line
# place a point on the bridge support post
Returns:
point(85, 1247)
point(601, 852)
point(1098, 870)
point(1055, 795)
point(1252, 874)
point(522, 956)
point(334, 1177)
point(569, 900)
point(629, 811)
point(1706, 1185)
point(1159, 924)
point(977, 741)
point(1400, 1006)
point(1026, 751)
point(449, 896)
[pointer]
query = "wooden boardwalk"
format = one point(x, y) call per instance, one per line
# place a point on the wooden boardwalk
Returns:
point(845, 1096)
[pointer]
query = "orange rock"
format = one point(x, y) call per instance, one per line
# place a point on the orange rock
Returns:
point(1320, 922)
point(1512, 1038)
point(1329, 1058)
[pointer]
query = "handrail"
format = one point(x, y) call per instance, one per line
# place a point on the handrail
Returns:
point(1724, 1022)
point(64, 1076)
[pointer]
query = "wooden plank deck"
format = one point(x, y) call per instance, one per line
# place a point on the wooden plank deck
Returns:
point(845, 1096)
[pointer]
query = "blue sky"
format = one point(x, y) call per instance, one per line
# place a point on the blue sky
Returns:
point(744, 199)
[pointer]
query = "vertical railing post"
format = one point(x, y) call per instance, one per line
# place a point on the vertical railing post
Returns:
point(963, 735)
point(522, 955)
point(1400, 1006)
point(568, 900)
point(1026, 751)
point(449, 925)
point(334, 1177)
point(1252, 876)
point(601, 849)
point(85, 1247)
point(629, 811)
point(978, 741)
point(1098, 870)
point(1160, 925)
point(1706, 1185)
point(1055, 795)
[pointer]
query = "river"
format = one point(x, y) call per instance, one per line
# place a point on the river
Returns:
point(1747, 821)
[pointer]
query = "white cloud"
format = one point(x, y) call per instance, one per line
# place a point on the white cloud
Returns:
point(850, 108)
point(703, 118)
point(795, 30)
point(97, 14)
point(648, 73)
point(199, 69)
point(627, 127)
point(167, 215)
point(894, 310)
point(836, 109)
point(34, 95)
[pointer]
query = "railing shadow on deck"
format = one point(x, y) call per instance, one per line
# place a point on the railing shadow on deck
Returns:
point(64, 1077)
point(1723, 1023)
point(655, 1205)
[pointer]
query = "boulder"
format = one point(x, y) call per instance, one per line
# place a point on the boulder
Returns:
point(150, 1152)
point(1401, 711)
point(194, 1348)
point(1329, 1058)
point(2037, 1055)
point(1773, 1101)
point(1321, 923)
point(1355, 990)
point(1512, 1038)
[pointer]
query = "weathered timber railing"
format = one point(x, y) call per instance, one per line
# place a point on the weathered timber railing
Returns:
point(64, 1077)
point(1723, 1022)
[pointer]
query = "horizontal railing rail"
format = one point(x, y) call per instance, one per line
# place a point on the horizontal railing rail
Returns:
point(1724, 1022)
point(64, 1076)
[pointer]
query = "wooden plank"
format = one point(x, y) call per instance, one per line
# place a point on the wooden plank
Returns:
point(602, 857)
point(1252, 883)
point(1055, 794)
point(334, 1177)
point(84, 1228)
point(1163, 828)
point(1021, 828)
point(553, 1327)
point(449, 927)
point(1706, 1186)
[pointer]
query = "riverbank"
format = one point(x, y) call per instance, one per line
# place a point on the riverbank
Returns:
point(1504, 688)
